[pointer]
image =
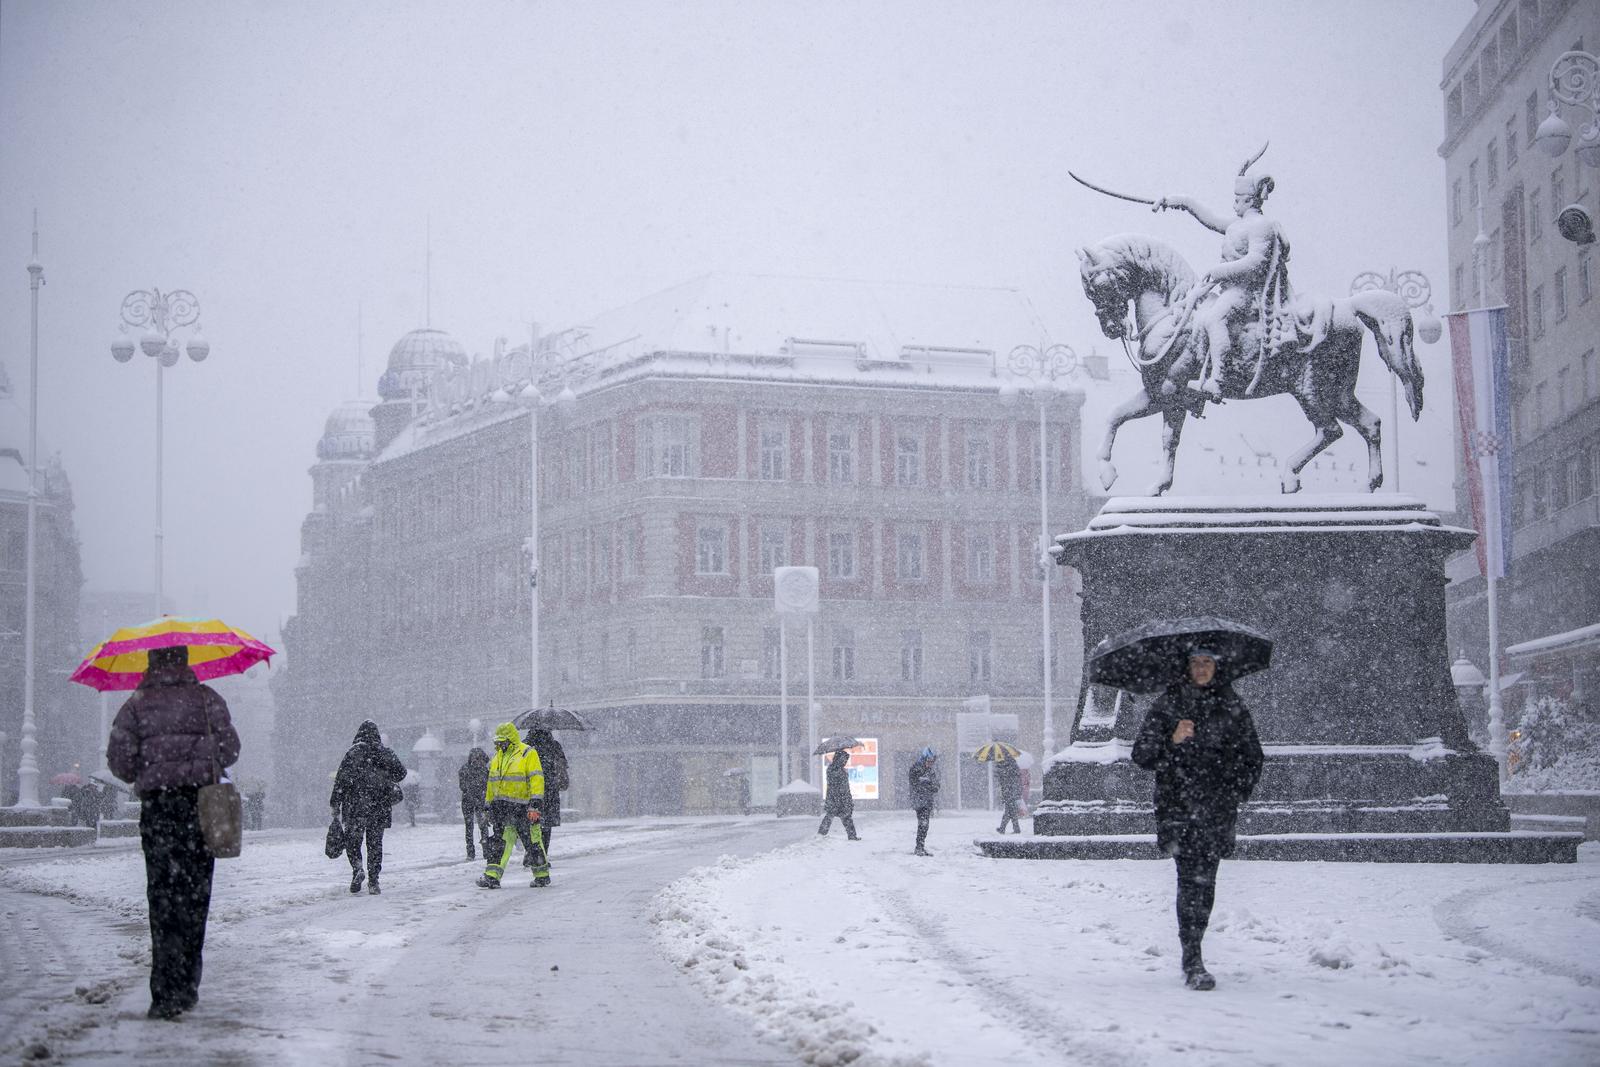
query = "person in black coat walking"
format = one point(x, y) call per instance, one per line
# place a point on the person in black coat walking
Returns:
point(553, 758)
point(473, 778)
point(839, 801)
point(924, 790)
point(1200, 740)
point(1008, 776)
point(364, 790)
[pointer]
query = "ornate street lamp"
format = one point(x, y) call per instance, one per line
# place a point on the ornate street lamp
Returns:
point(1413, 287)
point(162, 315)
point(1043, 370)
point(28, 766)
point(1574, 81)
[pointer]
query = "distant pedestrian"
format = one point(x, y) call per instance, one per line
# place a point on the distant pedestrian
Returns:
point(515, 797)
point(365, 788)
point(473, 778)
point(553, 758)
point(924, 791)
point(1008, 776)
point(411, 794)
point(168, 740)
point(1200, 740)
point(839, 801)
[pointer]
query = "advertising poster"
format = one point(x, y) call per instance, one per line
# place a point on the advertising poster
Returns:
point(864, 769)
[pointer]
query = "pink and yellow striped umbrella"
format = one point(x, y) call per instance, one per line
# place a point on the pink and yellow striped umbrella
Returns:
point(215, 651)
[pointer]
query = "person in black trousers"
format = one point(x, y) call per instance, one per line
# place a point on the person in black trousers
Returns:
point(924, 775)
point(1008, 776)
point(364, 791)
point(473, 779)
point(839, 801)
point(1200, 740)
point(169, 739)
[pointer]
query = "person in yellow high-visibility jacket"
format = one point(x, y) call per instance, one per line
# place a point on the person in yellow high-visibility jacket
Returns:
point(516, 798)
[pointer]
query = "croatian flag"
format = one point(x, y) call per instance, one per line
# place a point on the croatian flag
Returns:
point(1479, 354)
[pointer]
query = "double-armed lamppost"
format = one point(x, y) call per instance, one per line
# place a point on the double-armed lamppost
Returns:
point(1042, 371)
point(1575, 82)
point(162, 315)
point(1413, 287)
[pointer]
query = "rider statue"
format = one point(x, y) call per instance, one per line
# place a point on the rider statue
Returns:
point(1252, 283)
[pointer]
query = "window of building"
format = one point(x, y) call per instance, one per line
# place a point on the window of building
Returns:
point(1539, 502)
point(1472, 184)
point(632, 552)
point(16, 558)
point(1531, 116)
point(1455, 202)
point(711, 550)
point(1565, 401)
point(602, 456)
point(666, 444)
point(907, 459)
point(1509, 45)
point(1460, 287)
point(1489, 63)
point(630, 654)
point(1558, 188)
point(980, 555)
point(1561, 293)
point(1583, 473)
point(1511, 142)
point(1496, 254)
point(774, 454)
point(1536, 312)
point(603, 658)
point(980, 462)
point(1453, 106)
point(1491, 164)
point(1541, 412)
point(909, 562)
point(711, 652)
point(980, 665)
point(843, 653)
point(771, 653)
point(1586, 364)
point(842, 555)
point(1560, 484)
point(841, 458)
point(602, 559)
point(1585, 277)
point(1535, 214)
point(911, 655)
point(774, 548)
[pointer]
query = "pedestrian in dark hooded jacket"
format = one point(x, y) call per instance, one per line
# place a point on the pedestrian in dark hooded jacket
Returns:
point(553, 758)
point(364, 792)
point(1008, 776)
point(473, 778)
point(839, 801)
point(168, 740)
point(924, 775)
point(1200, 740)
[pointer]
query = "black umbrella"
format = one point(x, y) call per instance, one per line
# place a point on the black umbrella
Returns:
point(550, 718)
point(1148, 658)
point(835, 744)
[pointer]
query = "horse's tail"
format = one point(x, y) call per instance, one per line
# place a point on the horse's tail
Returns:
point(1387, 318)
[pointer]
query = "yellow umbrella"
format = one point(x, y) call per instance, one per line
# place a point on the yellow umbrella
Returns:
point(996, 750)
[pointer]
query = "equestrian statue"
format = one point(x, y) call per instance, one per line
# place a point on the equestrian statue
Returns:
point(1240, 330)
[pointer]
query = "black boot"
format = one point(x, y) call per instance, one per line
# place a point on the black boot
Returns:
point(1195, 975)
point(356, 878)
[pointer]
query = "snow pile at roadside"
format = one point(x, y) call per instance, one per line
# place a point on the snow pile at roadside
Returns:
point(861, 953)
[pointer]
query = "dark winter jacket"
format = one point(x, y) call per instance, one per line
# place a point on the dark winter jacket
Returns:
point(473, 777)
point(839, 801)
point(364, 789)
point(924, 783)
point(1200, 783)
point(553, 758)
point(1008, 776)
point(160, 738)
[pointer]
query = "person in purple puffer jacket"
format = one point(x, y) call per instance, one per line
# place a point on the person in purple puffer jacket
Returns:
point(168, 740)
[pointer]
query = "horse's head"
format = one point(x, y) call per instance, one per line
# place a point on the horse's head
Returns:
point(1104, 285)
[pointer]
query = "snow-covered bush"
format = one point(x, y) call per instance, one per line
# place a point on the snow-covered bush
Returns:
point(1555, 748)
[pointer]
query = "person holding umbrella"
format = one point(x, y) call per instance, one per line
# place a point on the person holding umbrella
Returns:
point(554, 760)
point(1008, 776)
point(838, 800)
point(1199, 739)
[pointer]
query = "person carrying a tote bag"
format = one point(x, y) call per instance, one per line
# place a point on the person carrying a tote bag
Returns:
point(171, 740)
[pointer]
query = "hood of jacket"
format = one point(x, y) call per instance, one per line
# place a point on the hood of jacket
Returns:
point(478, 758)
point(507, 731)
point(367, 733)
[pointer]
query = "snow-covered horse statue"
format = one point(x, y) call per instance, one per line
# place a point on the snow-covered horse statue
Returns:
point(1320, 374)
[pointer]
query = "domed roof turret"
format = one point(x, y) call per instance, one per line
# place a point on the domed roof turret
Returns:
point(414, 360)
point(348, 433)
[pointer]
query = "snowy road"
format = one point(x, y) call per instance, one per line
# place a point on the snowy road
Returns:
point(433, 971)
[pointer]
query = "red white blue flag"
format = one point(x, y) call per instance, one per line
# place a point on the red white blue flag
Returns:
point(1479, 354)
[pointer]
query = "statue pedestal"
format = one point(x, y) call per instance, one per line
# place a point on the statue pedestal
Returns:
point(1361, 725)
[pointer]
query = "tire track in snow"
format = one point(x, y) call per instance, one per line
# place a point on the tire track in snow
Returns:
point(1454, 916)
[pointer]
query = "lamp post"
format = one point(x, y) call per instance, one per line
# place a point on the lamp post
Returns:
point(1044, 368)
point(161, 315)
point(1413, 287)
point(1575, 82)
point(28, 766)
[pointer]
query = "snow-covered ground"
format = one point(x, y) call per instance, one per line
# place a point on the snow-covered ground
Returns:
point(861, 952)
point(754, 941)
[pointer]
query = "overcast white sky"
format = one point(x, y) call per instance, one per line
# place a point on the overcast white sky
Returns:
point(280, 160)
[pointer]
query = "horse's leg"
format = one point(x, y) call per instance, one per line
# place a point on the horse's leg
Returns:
point(1170, 432)
point(1370, 427)
point(1136, 406)
point(1327, 432)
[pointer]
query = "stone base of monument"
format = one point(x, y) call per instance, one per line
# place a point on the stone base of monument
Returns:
point(1368, 756)
point(46, 836)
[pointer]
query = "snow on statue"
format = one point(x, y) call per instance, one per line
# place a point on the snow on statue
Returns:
point(1241, 329)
